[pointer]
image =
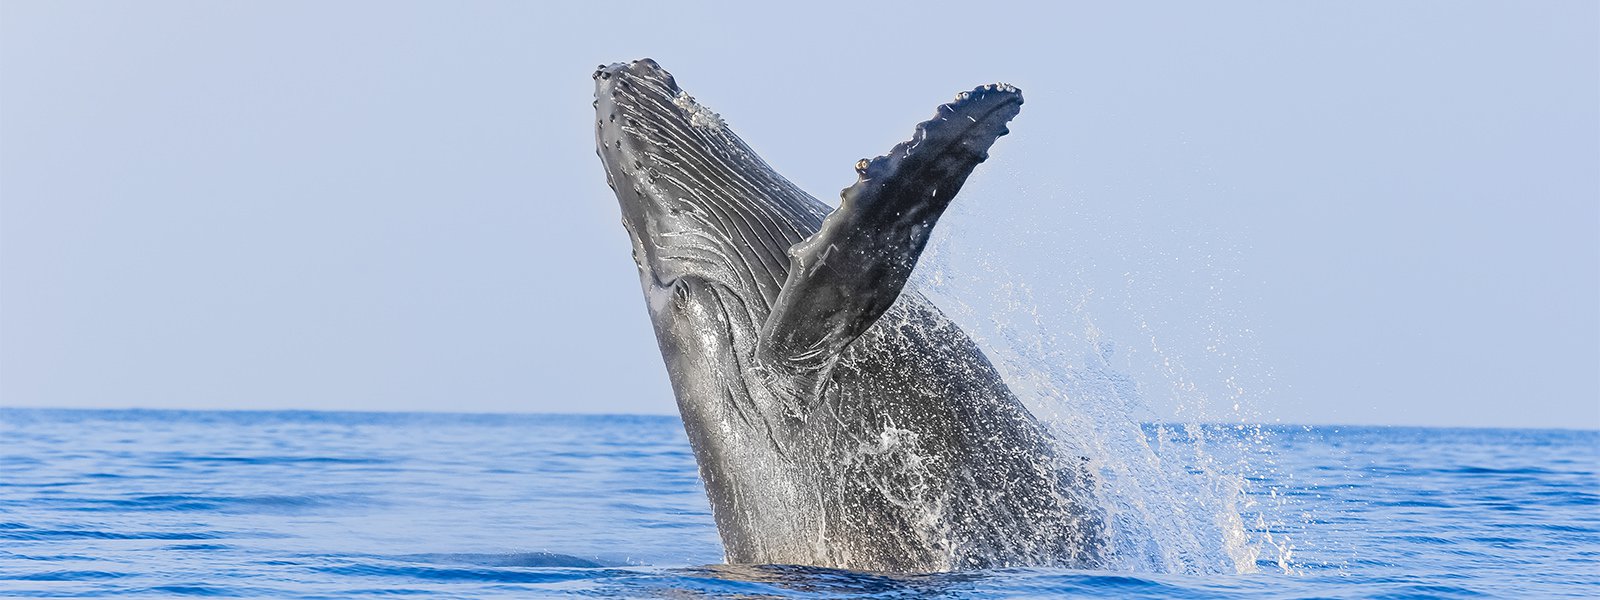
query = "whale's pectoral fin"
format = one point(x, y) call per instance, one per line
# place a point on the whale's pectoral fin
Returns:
point(846, 275)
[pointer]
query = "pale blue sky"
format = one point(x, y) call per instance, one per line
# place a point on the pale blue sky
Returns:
point(1355, 212)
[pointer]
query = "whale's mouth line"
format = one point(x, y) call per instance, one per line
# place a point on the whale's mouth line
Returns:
point(694, 197)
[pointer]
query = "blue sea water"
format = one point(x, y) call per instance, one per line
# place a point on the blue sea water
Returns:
point(318, 504)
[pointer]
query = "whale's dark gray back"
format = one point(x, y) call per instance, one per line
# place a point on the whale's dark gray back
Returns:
point(836, 420)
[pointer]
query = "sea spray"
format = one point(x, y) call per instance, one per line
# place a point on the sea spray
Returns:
point(1177, 493)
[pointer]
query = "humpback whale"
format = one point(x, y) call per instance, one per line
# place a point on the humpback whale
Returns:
point(838, 418)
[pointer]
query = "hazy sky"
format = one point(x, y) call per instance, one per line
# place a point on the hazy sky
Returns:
point(1337, 212)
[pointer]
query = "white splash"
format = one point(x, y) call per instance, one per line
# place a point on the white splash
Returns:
point(699, 115)
point(1177, 494)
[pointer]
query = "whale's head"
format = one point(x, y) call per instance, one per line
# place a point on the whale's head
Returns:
point(696, 201)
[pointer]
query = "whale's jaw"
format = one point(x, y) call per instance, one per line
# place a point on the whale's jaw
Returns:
point(695, 198)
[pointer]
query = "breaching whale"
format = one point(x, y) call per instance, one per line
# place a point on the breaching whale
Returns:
point(837, 419)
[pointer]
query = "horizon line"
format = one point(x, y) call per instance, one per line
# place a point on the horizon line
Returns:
point(675, 415)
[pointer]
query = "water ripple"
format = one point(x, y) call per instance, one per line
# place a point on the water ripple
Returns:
point(320, 505)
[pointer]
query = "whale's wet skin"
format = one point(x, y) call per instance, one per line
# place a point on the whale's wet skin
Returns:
point(838, 420)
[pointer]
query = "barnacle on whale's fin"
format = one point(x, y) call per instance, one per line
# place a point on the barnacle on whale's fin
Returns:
point(845, 276)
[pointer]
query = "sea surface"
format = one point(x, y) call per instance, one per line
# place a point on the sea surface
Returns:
point(324, 505)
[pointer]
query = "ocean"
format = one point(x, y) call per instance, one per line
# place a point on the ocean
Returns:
point(331, 505)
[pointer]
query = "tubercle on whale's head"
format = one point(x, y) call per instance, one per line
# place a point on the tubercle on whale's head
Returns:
point(632, 101)
point(696, 201)
point(616, 73)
